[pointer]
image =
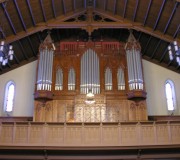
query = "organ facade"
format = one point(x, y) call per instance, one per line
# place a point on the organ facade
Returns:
point(109, 70)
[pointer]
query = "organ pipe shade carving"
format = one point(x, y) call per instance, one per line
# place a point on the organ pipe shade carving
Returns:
point(120, 78)
point(44, 78)
point(59, 79)
point(90, 72)
point(71, 79)
point(108, 79)
point(134, 64)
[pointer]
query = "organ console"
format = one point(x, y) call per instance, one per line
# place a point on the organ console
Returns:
point(111, 70)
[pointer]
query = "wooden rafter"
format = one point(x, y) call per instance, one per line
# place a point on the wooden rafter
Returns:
point(53, 8)
point(159, 14)
point(22, 49)
point(157, 46)
point(170, 18)
point(20, 15)
point(125, 6)
point(64, 6)
point(8, 17)
point(31, 45)
point(147, 12)
point(120, 23)
point(43, 11)
point(135, 10)
point(31, 12)
point(115, 7)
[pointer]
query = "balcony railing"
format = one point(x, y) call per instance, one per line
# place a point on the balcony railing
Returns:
point(89, 134)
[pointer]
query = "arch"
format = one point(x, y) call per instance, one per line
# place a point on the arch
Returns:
point(9, 97)
point(170, 95)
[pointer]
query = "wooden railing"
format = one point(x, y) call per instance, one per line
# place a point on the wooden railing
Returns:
point(89, 134)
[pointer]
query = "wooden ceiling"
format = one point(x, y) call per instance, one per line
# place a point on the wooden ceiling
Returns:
point(25, 23)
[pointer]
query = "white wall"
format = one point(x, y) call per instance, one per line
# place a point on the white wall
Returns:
point(24, 78)
point(155, 77)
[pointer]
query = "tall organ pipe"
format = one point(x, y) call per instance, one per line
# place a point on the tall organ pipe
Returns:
point(135, 78)
point(44, 77)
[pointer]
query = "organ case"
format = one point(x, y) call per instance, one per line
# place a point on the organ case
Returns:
point(105, 68)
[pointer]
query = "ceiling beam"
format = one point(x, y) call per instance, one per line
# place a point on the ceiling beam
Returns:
point(170, 18)
point(8, 17)
point(135, 10)
point(20, 15)
point(74, 5)
point(125, 5)
point(22, 49)
point(147, 44)
point(43, 11)
point(177, 31)
point(105, 5)
point(159, 14)
point(147, 12)
point(94, 5)
point(31, 12)
point(54, 10)
point(115, 7)
point(64, 6)
point(31, 45)
point(157, 46)
point(163, 55)
point(2, 32)
point(120, 23)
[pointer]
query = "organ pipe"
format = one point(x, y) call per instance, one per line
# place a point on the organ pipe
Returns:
point(44, 77)
point(134, 64)
point(90, 72)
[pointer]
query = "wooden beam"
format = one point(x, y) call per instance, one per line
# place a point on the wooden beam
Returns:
point(64, 6)
point(125, 5)
point(20, 15)
point(119, 23)
point(31, 12)
point(115, 7)
point(135, 10)
point(147, 12)
point(43, 11)
point(54, 10)
point(170, 18)
point(159, 14)
point(8, 17)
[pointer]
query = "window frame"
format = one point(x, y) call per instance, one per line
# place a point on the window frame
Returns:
point(171, 83)
point(8, 84)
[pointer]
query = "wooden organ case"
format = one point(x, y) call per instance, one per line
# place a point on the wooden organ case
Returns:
point(111, 70)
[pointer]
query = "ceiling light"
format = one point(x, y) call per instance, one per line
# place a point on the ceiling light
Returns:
point(174, 52)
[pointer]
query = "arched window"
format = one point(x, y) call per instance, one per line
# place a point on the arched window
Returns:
point(170, 95)
point(9, 96)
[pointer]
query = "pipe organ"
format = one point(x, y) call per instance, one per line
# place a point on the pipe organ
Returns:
point(134, 65)
point(45, 68)
point(111, 70)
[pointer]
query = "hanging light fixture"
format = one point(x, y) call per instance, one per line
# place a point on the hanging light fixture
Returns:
point(6, 51)
point(174, 52)
point(90, 97)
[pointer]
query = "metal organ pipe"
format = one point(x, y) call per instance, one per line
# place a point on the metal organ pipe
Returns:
point(134, 64)
point(89, 72)
point(44, 80)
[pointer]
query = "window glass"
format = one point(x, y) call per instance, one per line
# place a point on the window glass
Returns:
point(170, 95)
point(9, 97)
